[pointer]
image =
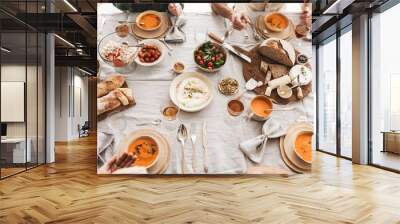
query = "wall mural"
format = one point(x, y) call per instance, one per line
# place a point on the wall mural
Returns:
point(204, 88)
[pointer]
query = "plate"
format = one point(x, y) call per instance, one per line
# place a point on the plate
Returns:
point(293, 132)
point(155, 34)
point(159, 45)
point(287, 33)
point(179, 79)
point(288, 154)
point(285, 157)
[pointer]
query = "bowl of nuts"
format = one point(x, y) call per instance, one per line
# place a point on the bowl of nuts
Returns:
point(228, 86)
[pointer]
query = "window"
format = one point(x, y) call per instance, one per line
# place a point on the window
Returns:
point(385, 89)
point(346, 93)
point(327, 96)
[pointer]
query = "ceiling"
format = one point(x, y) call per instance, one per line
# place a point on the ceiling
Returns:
point(332, 15)
point(75, 22)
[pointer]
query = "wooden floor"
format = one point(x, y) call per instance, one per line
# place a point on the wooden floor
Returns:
point(69, 191)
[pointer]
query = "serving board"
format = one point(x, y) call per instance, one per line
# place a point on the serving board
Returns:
point(252, 70)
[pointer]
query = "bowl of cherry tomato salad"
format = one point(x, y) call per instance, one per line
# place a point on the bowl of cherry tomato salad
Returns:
point(116, 51)
point(151, 53)
point(210, 56)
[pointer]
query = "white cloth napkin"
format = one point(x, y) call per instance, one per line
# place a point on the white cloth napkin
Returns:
point(175, 33)
point(105, 142)
point(254, 148)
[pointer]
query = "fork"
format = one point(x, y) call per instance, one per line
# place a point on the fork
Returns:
point(193, 138)
point(227, 33)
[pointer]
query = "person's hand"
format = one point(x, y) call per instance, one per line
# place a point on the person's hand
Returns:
point(239, 21)
point(175, 9)
point(306, 15)
point(117, 162)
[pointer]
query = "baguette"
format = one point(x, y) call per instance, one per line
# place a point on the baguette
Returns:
point(109, 84)
point(114, 99)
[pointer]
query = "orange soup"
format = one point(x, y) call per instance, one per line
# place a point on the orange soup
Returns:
point(145, 149)
point(149, 21)
point(261, 106)
point(277, 22)
point(303, 146)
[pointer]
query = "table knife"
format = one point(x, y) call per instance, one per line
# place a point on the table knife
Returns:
point(236, 52)
point(205, 149)
point(229, 47)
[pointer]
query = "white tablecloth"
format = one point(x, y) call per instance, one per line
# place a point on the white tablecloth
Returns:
point(151, 90)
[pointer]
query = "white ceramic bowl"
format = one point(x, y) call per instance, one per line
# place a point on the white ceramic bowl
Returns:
point(157, 14)
point(179, 79)
point(133, 136)
point(156, 43)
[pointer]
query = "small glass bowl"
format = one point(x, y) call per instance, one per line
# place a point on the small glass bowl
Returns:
point(130, 40)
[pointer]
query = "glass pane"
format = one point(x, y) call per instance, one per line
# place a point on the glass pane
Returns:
point(327, 97)
point(13, 87)
point(385, 86)
point(346, 94)
point(31, 98)
point(41, 99)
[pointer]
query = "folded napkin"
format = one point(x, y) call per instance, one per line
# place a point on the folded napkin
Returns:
point(254, 148)
point(175, 33)
point(105, 147)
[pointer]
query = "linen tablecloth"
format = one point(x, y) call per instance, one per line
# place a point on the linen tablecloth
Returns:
point(151, 90)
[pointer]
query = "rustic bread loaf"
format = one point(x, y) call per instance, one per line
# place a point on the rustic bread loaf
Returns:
point(279, 51)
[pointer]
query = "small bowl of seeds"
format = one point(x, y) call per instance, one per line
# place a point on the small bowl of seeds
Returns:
point(228, 86)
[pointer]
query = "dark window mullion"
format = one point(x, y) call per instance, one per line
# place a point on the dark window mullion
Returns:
point(26, 87)
point(37, 90)
point(338, 95)
point(317, 96)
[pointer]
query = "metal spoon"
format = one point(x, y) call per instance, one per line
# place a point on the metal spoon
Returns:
point(155, 123)
point(182, 137)
point(137, 45)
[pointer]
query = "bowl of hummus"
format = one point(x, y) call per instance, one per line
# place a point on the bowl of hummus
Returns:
point(191, 91)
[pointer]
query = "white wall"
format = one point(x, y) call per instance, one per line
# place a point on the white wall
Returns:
point(70, 81)
point(33, 127)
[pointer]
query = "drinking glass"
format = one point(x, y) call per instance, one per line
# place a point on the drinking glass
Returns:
point(169, 112)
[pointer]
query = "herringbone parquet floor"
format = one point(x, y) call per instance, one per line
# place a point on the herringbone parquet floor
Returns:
point(69, 191)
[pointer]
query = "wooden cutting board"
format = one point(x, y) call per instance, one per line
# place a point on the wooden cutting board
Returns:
point(252, 70)
point(116, 110)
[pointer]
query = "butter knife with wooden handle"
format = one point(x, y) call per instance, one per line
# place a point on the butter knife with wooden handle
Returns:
point(205, 150)
point(229, 47)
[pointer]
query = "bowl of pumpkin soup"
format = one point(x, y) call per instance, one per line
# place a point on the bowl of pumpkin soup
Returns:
point(145, 149)
point(261, 108)
point(303, 146)
point(149, 20)
point(276, 22)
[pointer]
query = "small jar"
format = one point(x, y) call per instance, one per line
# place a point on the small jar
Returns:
point(122, 29)
point(178, 67)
